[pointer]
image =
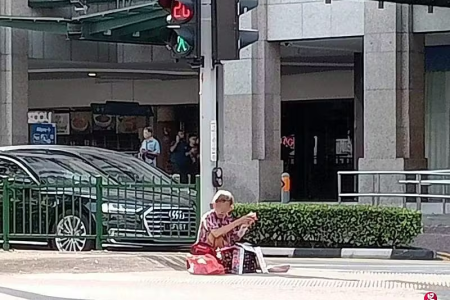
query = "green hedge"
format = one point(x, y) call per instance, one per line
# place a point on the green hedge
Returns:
point(305, 225)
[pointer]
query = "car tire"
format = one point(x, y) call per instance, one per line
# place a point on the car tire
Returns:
point(72, 223)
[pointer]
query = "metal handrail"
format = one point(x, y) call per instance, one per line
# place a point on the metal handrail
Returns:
point(376, 193)
point(437, 172)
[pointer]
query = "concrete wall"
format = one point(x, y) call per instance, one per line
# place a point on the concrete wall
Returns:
point(428, 22)
point(13, 77)
point(316, 86)
point(57, 47)
point(286, 20)
point(304, 19)
point(67, 93)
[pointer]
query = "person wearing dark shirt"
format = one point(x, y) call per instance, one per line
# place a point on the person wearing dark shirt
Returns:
point(195, 158)
point(180, 157)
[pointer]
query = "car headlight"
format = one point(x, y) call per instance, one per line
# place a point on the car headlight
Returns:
point(121, 208)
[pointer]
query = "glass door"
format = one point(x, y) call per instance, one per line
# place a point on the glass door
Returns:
point(323, 145)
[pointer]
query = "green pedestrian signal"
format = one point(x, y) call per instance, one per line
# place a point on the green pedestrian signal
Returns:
point(182, 46)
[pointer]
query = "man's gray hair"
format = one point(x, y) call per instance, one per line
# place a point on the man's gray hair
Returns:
point(223, 194)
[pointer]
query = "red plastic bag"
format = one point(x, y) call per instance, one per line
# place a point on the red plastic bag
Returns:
point(202, 249)
point(204, 265)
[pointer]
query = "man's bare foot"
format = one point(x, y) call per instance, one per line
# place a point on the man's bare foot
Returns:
point(279, 269)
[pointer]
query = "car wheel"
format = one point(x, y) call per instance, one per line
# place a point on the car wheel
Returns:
point(72, 224)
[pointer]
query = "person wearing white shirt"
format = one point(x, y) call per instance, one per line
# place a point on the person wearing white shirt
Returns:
point(150, 148)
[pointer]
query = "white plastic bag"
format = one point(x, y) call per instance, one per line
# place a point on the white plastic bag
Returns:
point(259, 256)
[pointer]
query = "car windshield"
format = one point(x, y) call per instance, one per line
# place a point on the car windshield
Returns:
point(112, 170)
point(133, 167)
point(58, 169)
point(142, 170)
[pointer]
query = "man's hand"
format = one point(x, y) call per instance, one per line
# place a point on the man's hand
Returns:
point(245, 220)
point(250, 222)
point(244, 227)
point(250, 218)
point(242, 230)
point(253, 216)
point(177, 139)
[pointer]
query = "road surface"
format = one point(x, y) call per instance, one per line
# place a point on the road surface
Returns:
point(318, 279)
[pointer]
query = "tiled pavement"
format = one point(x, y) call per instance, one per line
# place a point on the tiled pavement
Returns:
point(171, 285)
point(308, 279)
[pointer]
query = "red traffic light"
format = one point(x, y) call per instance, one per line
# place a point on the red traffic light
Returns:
point(181, 12)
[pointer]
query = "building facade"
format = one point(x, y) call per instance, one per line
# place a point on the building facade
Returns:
point(329, 86)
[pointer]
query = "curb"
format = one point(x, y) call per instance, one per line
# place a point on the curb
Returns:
point(399, 254)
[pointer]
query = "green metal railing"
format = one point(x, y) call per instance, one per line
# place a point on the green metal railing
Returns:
point(85, 213)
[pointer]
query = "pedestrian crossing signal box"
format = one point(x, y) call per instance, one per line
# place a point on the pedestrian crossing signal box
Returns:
point(228, 39)
point(184, 22)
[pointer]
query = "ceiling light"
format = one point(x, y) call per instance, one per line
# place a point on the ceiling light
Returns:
point(92, 74)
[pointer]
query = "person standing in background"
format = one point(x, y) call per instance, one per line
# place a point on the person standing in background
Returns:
point(195, 158)
point(179, 157)
point(197, 143)
point(150, 148)
point(164, 158)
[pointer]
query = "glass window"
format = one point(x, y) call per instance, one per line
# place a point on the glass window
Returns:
point(61, 169)
point(141, 169)
point(128, 164)
point(437, 125)
point(111, 170)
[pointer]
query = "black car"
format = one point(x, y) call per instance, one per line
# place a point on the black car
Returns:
point(54, 195)
point(123, 167)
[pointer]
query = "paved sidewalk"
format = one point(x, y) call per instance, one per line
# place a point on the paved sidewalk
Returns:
point(172, 285)
point(27, 275)
point(87, 262)
point(26, 262)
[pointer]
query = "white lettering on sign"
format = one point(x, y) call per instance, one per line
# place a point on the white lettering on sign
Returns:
point(213, 127)
point(43, 129)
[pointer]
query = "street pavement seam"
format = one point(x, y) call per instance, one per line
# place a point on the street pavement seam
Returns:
point(239, 282)
point(301, 275)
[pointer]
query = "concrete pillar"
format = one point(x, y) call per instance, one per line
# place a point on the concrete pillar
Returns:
point(393, 94)
point(249, 141)
point(13, 78)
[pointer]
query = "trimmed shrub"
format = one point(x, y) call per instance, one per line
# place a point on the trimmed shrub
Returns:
point(331, 226)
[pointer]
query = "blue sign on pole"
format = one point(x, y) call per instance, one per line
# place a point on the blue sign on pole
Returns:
point(43, 134)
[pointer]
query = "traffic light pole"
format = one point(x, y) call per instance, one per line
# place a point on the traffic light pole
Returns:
point(208, 110)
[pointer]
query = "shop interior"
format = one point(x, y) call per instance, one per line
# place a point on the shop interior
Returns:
point(317, 142)
point(118, 125)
